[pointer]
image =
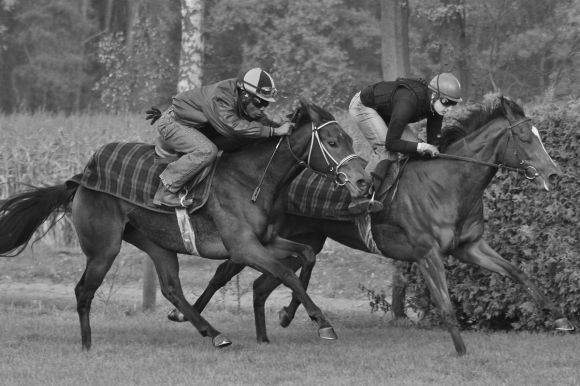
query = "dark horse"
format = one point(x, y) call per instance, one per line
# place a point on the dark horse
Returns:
point(437, 210)
point(229, 226)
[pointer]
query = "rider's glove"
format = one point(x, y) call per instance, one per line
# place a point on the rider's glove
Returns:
point(283, 129)
point(426, 149)
point(153, 114)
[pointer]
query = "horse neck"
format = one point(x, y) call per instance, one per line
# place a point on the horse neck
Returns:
point(487, 144)
point(249, 164)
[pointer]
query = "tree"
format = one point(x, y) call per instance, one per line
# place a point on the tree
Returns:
point(395, 38)
point(192, 44)
point(139, 58)
point(46, 45)
point(190, 76)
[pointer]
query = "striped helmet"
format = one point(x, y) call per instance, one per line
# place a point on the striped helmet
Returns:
point(259, 83)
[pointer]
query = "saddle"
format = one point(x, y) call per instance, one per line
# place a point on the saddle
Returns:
point(130, 171)
point(196, 191)
point(313, 195)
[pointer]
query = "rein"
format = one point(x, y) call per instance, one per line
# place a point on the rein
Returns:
point(340, 178)
point(529, 171)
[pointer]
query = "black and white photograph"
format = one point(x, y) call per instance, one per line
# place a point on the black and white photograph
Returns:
point(289, 192)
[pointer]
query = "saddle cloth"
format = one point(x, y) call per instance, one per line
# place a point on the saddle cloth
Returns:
point(130, 171)
point(314, 195)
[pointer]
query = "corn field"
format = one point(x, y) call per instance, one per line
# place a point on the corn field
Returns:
point(44, 149)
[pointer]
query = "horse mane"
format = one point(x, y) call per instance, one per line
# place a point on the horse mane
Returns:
point(470, 118)
point(303, 114)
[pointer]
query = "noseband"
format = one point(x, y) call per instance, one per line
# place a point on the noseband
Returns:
point(529, 171)
point(340, 178)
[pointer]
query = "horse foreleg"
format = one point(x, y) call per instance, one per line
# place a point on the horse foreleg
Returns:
point(482, 254)
point(286, 315)
point(433, 271)
point(167, 267)
point(264, 260)
point(224, 273)
point(263, 287)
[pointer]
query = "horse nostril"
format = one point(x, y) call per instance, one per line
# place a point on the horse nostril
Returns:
point(362, 184)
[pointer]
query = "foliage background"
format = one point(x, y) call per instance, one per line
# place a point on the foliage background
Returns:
point(122, 55)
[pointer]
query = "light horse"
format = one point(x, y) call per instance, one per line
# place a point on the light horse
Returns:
point(230, 226)
point(437, 210)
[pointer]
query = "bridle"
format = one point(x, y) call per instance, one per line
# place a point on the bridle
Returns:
point(340, 178)
point(529, 171)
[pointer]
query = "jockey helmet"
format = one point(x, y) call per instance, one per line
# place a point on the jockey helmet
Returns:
point(446, 85)
point(259, 83)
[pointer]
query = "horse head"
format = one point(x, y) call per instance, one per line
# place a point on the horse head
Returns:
point(330, 150)
point(517, 143)
point(526, 149)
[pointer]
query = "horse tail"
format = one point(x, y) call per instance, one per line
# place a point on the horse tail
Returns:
point(22, 214)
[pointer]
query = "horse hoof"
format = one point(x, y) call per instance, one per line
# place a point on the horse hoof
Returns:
point(221, 341)
point(263, 340)
point(283, 318)
point(563, 324)
point(175, 316)
point(327, 333)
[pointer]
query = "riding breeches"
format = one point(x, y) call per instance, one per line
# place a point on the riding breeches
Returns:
point(198, 151)
point(374, 128)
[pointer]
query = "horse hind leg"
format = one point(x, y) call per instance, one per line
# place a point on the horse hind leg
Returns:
point(100, 236)
point(167, 267)
point(97, 267)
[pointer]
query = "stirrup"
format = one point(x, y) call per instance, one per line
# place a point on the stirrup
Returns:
point(183, 200)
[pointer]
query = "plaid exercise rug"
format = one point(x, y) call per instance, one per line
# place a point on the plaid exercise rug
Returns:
point(314, 195)
point(130, 171)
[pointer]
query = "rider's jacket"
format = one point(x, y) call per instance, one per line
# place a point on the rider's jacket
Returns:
point(214, 110)
point(399, 103)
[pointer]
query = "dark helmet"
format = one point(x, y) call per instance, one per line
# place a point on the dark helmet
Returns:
point(259, 83)
point(446, 85)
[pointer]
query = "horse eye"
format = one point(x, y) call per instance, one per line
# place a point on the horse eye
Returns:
point(525, 134)
point(332, 143)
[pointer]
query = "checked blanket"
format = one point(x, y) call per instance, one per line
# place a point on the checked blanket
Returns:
point(314, 195)
point(130, 171)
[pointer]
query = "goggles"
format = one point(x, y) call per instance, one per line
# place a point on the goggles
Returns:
point(259, 103)
point(269, 92)
point(447, 102)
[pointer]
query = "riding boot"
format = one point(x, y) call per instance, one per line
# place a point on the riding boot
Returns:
point(165, 197)
point(370, 205)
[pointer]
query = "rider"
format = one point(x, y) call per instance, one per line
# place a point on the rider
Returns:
point(383, 110)
point(202, 120)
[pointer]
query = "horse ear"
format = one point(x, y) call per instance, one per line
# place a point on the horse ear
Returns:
point(310, 110)
point(313, 112)
point(506, 105)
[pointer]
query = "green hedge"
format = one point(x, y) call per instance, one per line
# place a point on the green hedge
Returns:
point(536, 230)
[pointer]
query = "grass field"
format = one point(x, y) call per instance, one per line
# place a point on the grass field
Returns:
point(40, 334)
point(42, 347)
